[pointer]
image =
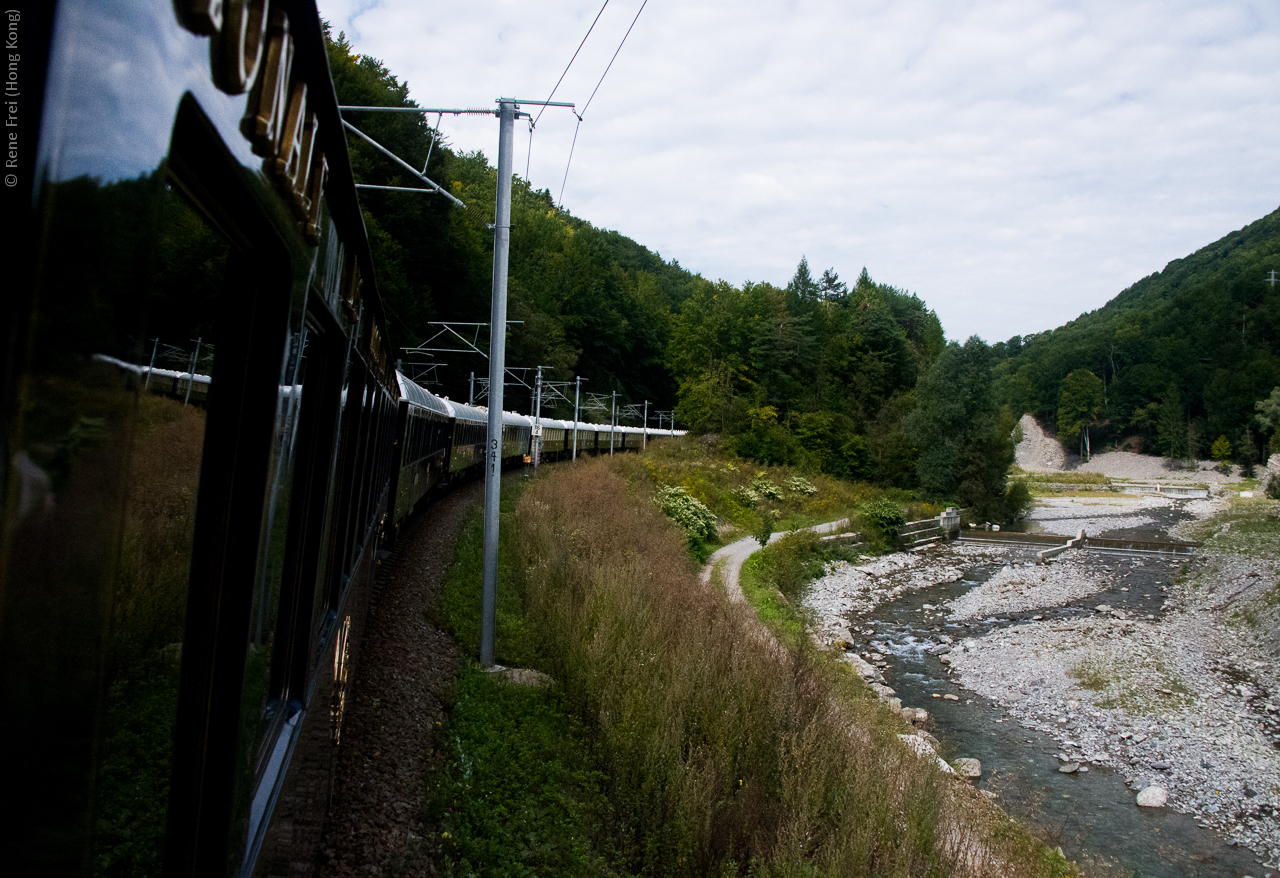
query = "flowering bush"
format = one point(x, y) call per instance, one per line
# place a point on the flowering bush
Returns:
point(765, 488)
point(694, 518)
point(800, 485)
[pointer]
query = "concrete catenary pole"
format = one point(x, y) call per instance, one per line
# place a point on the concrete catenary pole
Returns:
point(577, 391)
point(497, 370)
point(644, 434)
point(613, 418)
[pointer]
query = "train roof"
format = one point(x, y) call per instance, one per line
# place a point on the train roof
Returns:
point(419, 396)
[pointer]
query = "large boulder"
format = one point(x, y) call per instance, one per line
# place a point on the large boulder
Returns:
point(1153, 797)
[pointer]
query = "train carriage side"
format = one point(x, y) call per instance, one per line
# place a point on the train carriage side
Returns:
point(197, 413)
point(422, 442)
point(466, 455)
point(517, 434)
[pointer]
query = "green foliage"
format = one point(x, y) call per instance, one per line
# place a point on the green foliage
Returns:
point(1172, 430)
point(524, 791)
point(1197, 343)
point(965, 438)
point(693, 517)
point(812, 375)
point(1221, 450)
point(1268, 412)
point(800, 485)
point(722, 482)
point(1247, 454)
point(764, 530)
point(882, 518)
point(460, 603)
point(1079, 402)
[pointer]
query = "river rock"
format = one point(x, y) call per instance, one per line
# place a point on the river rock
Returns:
point(971, 768)
point(915, 715)
point(1069, 768)
point(923, 748)
point(1153, 797)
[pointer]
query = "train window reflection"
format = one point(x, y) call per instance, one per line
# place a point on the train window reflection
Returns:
point(151, 582)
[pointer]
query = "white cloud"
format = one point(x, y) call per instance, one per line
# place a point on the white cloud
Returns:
point(1013, 163)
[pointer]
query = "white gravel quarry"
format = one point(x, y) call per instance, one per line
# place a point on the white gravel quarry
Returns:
point(1039, 452)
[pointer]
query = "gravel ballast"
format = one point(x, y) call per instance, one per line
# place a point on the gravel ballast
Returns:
point(405, 671)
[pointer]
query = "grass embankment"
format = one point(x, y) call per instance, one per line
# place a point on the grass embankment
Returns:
point(702, 747)
point(743, 495)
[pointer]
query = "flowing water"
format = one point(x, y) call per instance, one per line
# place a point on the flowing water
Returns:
point(1092, 815)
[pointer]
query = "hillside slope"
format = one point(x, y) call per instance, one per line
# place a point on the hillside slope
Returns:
point(1194, 345)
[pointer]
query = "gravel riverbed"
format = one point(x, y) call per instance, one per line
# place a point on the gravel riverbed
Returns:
point(1138, 665)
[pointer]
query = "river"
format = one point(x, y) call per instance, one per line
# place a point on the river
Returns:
point(1092, 813)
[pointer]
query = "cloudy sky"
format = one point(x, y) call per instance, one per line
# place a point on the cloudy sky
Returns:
point(1012, 163)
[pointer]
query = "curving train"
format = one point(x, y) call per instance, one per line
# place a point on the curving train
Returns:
point(205, 440)
point(441, 442)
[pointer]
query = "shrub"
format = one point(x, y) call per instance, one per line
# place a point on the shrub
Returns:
point(768, 520)
point(1273, 487)
point(693, 517)
point(884, 517)
point(800, 485)
point(765, 488)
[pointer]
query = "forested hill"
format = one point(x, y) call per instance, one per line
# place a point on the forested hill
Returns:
point(1179, 359)
point(853, 380)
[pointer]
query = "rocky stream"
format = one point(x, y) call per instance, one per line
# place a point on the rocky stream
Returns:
point(1105, 696)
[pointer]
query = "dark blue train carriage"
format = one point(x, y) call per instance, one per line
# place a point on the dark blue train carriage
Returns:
point(187, 542)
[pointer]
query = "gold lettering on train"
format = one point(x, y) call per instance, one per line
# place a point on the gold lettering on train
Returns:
point(236, 48)
point(315, 192)
point(203, 17)
point(250, 47)
point(264, 113)
point(286, 164)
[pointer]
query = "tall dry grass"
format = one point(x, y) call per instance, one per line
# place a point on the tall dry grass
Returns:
point(730, 753)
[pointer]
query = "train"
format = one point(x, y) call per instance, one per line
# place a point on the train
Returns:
point(188, 545)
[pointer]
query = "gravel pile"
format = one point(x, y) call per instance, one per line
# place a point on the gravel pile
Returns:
point(1038, 452)
point(1028, 586)
point(405, 671)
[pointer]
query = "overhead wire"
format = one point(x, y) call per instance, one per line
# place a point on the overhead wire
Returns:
point(615, 57)
point(593, 96)
point(533, 123)
point(571, 60)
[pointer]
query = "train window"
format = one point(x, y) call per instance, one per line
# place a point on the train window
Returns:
point(268, 707)
point(110, 414)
